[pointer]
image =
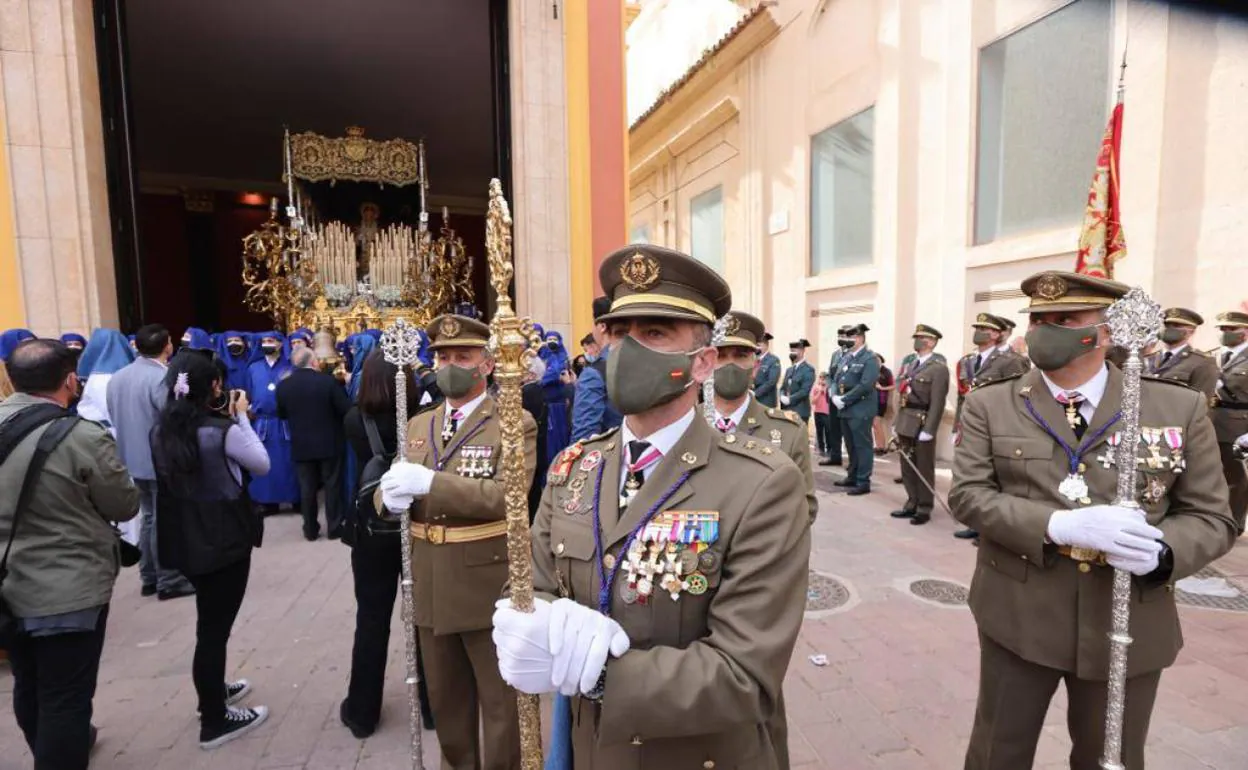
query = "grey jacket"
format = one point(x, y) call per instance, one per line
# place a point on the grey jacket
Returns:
point(65, 554)
point(136, 394)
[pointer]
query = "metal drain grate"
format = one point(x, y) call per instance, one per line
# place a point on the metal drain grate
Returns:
point(940, 591)
point(825, 593)
point(1226, 603)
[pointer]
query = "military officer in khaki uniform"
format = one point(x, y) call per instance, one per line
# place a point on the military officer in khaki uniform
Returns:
point(1176, 360)
point(459, 548)
point(924, 386)
point(1035, 474)
point(681, 551)
point(993, 359)
point(736, 410)
point(1230, 406)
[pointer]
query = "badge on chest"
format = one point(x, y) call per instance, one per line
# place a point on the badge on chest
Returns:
point(672, 553)
point(1160, 451)
point(476, 462)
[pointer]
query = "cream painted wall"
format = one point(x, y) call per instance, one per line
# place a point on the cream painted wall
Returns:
point(1184, 166)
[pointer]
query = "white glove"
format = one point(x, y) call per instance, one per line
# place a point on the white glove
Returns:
point(953, 438)
point(580, 640)
point(403, 483)
point(925, 437)
point(1116, 531)
point(1242, 441)
point(1220, 385)
point(784, 400)
point(523, 643)
point(1137, 564)
point(839, 401)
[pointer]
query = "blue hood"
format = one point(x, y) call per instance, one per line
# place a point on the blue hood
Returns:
point(11, 339)
point(107, 352)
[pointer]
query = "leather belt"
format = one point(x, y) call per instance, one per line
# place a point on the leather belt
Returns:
point(917, 407)
point(438, 534)
point(1082, 554)
point(1220, 404)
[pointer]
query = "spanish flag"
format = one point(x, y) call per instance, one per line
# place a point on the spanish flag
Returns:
point(1101, 241)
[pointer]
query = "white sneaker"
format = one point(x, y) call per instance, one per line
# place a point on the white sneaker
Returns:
point(238, 722)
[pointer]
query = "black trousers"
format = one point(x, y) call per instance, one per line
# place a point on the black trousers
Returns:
point(857, 432)
point(836, 437)
point(377, 567)
point(53, 684)
point(218, 595)
point(314, 475)
point(919, 497)
point(823, 434)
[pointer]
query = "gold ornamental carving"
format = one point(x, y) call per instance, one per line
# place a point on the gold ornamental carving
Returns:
point(353, 158)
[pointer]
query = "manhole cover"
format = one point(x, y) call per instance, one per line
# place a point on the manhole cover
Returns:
point(940, 591)
point(824, 593)
point(1229, 603)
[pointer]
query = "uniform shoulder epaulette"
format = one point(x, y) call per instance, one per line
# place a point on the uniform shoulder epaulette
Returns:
point(992, 383)
point(969, 356)
point(600, 436)
point(783, 414)
point(1198, 353)
point(1166, 380)
point(940, 357)
point(756, 449)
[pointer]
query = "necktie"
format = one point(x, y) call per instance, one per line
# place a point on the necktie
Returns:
point(1226, 358)
point(1071, 400)
point(1165, 358)
point(725, 424)
point(979, 361)
point(451, 426)
point(641, 458)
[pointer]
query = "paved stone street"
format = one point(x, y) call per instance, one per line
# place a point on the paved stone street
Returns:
point(897, 691)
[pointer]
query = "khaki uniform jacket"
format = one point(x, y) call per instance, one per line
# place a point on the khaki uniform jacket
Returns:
point(456, 584)
point(923, 405)
point(786, 433)
point(1229, 423)
point(65, 553)
point(1025, 595)
point(1190, 367)
point(705, 671)
point(1000, 365)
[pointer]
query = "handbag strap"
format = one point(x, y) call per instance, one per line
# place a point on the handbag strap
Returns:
point(374, 436)
point(50, 439)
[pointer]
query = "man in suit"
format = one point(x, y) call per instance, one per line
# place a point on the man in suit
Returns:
point(136, 395)
point(924, 386)
point(313, 404)
point(836, 437)
point(592, 411)
point(993, 359)
point(854, 396)
point(459, 547)
point(737, 411)
point(1050, 534)
point(798, 380)
point(1230, 406)
point(767, 380)
point(699, 542)
point(1176, 360)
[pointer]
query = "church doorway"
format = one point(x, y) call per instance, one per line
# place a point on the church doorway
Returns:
point(196, 98)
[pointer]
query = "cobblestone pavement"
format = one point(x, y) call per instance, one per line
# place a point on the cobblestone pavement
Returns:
point(897, 691)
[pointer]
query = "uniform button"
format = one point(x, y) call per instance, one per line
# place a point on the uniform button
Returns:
point(1085, 567)
point(993, 562)
point(636, 741)
point(1023, 557)
point(1018, 453)
point(608, 561)
point(559, 549)
point(709, 764)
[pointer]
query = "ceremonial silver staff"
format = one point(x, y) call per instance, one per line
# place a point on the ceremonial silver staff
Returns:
point(400, 343)
point(718, 333)
point(1134, 322)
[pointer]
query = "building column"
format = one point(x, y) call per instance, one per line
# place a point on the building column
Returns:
point(12, 309)
point(597, 145)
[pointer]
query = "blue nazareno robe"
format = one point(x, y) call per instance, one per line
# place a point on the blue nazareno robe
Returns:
point(281, 485)
point(236, 376)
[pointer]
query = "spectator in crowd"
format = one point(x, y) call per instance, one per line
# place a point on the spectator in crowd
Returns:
point(592, 411)
point(63, 559)
point(207, 527)
point(270, 364)
point(798, 380)
point(198, 340)
point(823, 420)
point(578, 366)
point(313, 404)
point(558, 390)
point(534, 401)
point(233, 350)
point(106, 354)
point(767, 377)
point(376, 562)
point(884, 387)
point(75, 342)
point(136, 396)
point(9, 341)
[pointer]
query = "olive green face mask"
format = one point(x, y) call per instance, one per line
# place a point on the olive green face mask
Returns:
point(639, 379)
point(1053, 347)
point(1171, 335)
point(457, 381)
point(981, 337)
point(732, 381)
point(1231, 339)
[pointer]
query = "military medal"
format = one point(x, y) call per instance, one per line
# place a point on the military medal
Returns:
point(775, 436)
point(591, 461)
point(1152, 438)
point(1073, 487)
point(628, 593)
point(696, 584)
point(1174, 440)
point(688, 561)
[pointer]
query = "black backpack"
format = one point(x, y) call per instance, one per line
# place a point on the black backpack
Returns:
point(366, 515)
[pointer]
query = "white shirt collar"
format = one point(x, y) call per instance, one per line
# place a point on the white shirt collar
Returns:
point(664, 438)
point(1237, 349)
point(923, 358)
point(1092, 391)
point(467, 409)
point(1175, 351)
point(1004, 347)
point(738, 415)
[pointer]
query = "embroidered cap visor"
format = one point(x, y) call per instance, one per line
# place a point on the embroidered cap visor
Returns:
point(645, 281)
point(1181, 316)
point(742, 330)
point(1232, 320)
point(457, 331)
point(990, 321)
point(1056, 291)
